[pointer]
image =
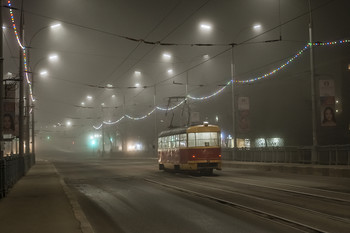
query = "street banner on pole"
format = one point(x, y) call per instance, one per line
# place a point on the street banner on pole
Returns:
point(327, 102)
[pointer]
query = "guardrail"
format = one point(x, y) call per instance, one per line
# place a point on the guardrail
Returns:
point(12, 168)
point(326, 155)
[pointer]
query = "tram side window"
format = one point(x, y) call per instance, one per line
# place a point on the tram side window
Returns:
point(183, 140)
point(191, 139)
point(207, 139)
point(168, 142)
point(164, 143)
point(159, 143)
point(176, 141)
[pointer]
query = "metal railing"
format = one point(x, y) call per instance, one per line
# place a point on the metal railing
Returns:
point(12, 168)
point(326, 155)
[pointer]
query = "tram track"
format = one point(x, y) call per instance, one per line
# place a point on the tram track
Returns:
point(335, 200)
point(347, 221)
point(263, 214)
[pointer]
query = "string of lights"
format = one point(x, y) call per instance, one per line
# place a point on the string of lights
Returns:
point(23, 51)
point(212, 95)
point(172, 108)
point(159, 43)
point(274, 71)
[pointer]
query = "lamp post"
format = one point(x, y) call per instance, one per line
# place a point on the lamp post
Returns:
point(34, 68)
point(233, 80)
point(1, 87)
point(313, 97)
point(233, 76)
point(43, 73)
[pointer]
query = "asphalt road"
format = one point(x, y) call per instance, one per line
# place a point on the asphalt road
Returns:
point(129, 194)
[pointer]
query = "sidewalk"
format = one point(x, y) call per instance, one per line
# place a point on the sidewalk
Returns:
point(38, 203)
point(301, 169)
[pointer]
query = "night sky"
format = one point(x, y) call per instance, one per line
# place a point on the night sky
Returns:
point(100, 44)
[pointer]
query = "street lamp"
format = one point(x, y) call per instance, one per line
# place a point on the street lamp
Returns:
point(42, 73)
point(54, 57)
point(233, 78)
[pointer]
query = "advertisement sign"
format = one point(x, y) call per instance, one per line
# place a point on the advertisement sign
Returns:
point(327, 103)
point(243, 114)
point(10, 121)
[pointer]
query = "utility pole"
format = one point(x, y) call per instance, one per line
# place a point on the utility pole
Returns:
point(233, 99)
point(313, 95)
point(27, 116)
point(21, 88)
point(33, 124)
point(154, 147)
point(1, 88)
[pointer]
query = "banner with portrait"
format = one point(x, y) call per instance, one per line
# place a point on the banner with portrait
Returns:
point(327, 102)
point(10, 120)
point(243, 114)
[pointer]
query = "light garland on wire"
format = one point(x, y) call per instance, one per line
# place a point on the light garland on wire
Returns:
point(209, 96)
point(172, 108)
point(277, 69)
point(113, 122)
point(273, 71)
point(140, 118)
point(23, 51)
point(329, 43)
point(97, 127)
point(230, 82)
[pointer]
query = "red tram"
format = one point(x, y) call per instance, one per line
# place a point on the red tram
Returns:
point(194, 148)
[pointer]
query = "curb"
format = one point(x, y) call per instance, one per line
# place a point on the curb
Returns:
point(78, 212)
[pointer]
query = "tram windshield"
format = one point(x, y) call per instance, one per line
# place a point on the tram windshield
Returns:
point(204, 139)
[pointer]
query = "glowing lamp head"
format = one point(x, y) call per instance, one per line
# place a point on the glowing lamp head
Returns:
point(43, 73)
point(55, 25)
point(167, 56)
point(205, 27)
point(53, 57)
point(257, 26)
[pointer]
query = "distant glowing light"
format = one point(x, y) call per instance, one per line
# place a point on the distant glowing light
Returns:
point(109, 85)
point(137, 84)
point(89, 97)
point(82, 103)
point(137, 73)
point(166, 55)
point(56, 25)
point(53, 57)
point(103, 104)
point(43, 73)
point(170, 71)
point(69, 123)
point(113, 96)
point(206, 56)
point(205, 26)
point(257, 26)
